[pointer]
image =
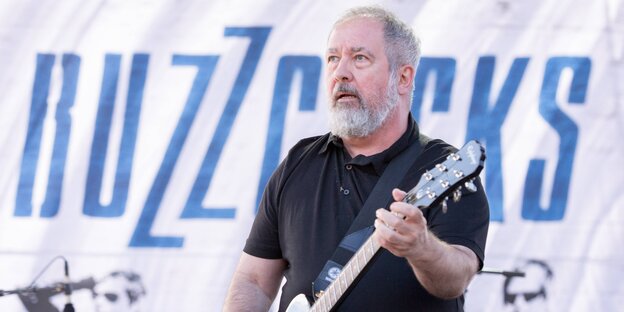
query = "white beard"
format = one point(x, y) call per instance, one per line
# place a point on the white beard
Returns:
point(362, 120)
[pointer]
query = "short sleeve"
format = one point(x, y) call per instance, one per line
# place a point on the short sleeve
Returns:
point(263, 240)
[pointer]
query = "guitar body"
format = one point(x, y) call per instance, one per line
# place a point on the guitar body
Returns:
point(299, 304)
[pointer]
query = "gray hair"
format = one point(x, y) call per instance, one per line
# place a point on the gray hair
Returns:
point(402, 46)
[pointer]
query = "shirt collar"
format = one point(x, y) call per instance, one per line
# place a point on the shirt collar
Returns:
point(380, 160)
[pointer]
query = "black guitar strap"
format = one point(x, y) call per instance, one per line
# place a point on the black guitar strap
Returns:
point(362, 227)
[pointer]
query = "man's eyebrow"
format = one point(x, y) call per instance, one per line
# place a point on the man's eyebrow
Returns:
point(360, 49)
point(368, 52)
point(353, 50)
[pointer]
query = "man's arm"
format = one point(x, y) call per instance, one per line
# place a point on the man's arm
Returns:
point(254, 284)
point(444, 270)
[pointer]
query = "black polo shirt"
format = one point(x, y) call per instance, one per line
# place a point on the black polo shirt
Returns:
point(314, 195)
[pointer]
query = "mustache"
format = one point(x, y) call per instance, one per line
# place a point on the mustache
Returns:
point(342, 89)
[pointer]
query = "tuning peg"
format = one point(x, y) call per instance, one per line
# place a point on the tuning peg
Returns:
point(445, 183)
point(457, 194)
point(470, 186)
point(453, 156)
point(444, 205)
point(431, 194)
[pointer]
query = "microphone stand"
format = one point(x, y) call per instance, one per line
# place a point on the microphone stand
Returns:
point(502, 272)
point(69, 307)
point(18, 291)
point(65, 287)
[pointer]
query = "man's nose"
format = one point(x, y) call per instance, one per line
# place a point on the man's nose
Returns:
point(342, 71)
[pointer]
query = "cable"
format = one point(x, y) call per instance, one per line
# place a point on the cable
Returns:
point(46, 268)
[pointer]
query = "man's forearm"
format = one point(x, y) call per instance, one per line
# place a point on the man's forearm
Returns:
point(255, 284)
point(444, 270)
point(245, 295)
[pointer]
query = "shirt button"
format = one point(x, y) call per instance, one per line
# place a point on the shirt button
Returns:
point(348, 167)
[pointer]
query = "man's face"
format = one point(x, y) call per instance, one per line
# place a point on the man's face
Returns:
point(362, 92)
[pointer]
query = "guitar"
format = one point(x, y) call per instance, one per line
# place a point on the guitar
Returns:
point(434, 187)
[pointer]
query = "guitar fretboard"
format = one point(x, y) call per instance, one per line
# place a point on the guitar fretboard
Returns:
point(349, 273)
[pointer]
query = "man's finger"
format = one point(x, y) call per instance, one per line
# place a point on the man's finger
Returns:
point(398, 195)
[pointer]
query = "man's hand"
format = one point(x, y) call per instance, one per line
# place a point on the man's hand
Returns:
point(444, 270)
point(402, 230)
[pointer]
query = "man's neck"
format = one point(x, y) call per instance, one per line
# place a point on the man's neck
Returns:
point(381, 139)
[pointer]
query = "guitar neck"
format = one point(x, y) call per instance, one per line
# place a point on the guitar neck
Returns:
point(350, 272)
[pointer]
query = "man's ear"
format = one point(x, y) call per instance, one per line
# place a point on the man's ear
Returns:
point(406, 79)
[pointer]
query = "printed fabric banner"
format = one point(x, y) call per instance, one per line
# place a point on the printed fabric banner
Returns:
point(136, 138)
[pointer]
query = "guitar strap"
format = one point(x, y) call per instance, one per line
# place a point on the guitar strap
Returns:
point(362, 227)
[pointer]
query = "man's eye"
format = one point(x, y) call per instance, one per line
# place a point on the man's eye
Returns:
point(360, 57)
point(332, 59)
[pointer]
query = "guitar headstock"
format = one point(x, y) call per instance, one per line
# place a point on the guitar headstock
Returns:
point(446, 178)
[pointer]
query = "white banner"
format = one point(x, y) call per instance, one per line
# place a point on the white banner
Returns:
point(136, 137)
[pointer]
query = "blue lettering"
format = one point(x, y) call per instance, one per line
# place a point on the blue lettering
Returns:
point(310, 68)
point(193, 207)
point(50, 206)
point(444, 70)
point(568, 134)
point(141, 236)
point(38, 110)
point(99, 146)
point(485, 122)
point(71, 67)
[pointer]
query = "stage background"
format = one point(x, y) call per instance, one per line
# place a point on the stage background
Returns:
point(136, 136)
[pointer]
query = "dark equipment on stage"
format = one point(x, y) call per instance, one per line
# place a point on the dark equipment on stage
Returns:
point(31, 295)
point(502, 272)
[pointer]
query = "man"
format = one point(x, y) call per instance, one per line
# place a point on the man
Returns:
point(429, 257)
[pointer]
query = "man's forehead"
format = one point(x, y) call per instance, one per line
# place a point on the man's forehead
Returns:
point(357, 33)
